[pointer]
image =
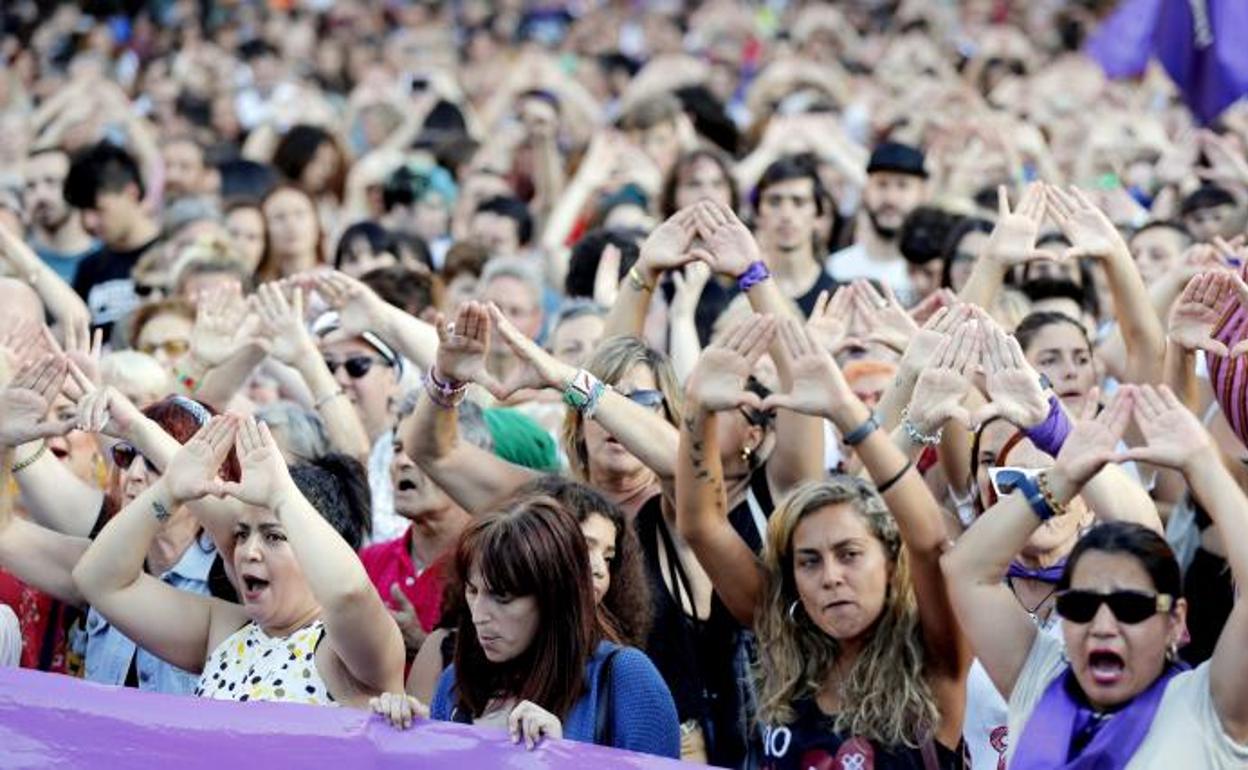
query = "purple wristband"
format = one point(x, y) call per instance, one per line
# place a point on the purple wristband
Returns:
point(755, 274)
point(1049, 435)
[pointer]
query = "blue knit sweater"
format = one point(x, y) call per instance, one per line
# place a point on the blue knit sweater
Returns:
point(643, 713)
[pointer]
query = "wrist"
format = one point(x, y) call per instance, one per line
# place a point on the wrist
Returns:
point(1062, 486)
point(849, 416)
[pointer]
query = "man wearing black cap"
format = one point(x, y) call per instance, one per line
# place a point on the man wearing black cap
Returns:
point(896, 184)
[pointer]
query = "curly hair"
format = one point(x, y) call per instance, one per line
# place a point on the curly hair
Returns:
point(885, 697)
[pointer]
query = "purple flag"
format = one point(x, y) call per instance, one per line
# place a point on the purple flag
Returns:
point(1199, 42)
point(47, 720)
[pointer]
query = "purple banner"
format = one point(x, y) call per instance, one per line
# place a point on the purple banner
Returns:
point(48, 720)
point(1199, 42)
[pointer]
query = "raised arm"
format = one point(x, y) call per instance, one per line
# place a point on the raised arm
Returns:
point(53, 496)
point(1093, 235)
point(1177, 440)
point(357, 625)
point(59, 298)
point(360, 309)
point(291, 343)
point(1000, 630)
point(1013, 242)
point(664, 249)
point(732, 250)
point(471, 476)
point(224, 348)
point(35, 555)
point(718, 384)
point(820, 388)
point(174, 625)
point(642, 431)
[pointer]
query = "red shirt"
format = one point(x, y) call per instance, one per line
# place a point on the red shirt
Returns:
point(391, 562)
point(43, 622)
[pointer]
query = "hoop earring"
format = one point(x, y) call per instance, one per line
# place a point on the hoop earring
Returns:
point(793, 611)
point(1172, 652)
point(746, 451)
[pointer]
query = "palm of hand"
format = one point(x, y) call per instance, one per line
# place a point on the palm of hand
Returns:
point(461, 359)
point(213, 342)
point(921, 348)
point(828, 330)
point(813, 385)
point(1088, 233)
point(720, 379)
point(1085, 449)
point(1018, 393)
point(260, 471)
point(733, 248)
point(1174, 436)
point(21, 411)
point(357, 313)
point(665, 247)
point(1192, 324)
point(937, 395)
point(285, 340)
point(1014, 239)
point(190, 471)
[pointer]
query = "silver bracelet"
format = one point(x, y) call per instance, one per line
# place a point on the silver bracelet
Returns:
point(918, 436)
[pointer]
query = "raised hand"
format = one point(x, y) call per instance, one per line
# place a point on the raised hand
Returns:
point(1013, 385)
point(538, 368)
point(532, 723)
point(105, 410)
point(24, 404)
point(667, 246)
point(730, 248)
point(922, 348)
point(1197, 312)
point(265, 477)
point(1090, 232)
point(464, 344)
point(282, 323)
point(1013, 240)
point(689, 284)
point(818, 388)
point(883, 317)
point(938, 394)
point(82, 348)
point(1173, 436)
point(1093, 440)
point(23, 341)
point(359, 308)
point(406, 619)
point(717, 383)
point(192, 473)
point(222, 326)
point(398, 708)
point(831, 319)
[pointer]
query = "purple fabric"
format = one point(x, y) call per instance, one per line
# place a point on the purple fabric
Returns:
point(1059, 716)
point(47, 720)
point(1229, 376)
point(1050, 574)
point(1049, 435)
point(1203, 53)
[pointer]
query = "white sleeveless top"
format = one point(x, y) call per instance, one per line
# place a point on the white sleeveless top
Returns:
point(251, 665)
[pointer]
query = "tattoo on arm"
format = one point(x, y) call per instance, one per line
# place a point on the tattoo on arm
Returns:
point(162, 513)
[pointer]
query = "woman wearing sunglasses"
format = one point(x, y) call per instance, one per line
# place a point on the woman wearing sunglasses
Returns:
point(1112, 693)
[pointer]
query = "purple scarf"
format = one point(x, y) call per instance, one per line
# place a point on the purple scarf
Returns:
point(1062, 715)
point(1050, 574)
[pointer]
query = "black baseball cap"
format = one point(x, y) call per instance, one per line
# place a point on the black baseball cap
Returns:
point(897, 158)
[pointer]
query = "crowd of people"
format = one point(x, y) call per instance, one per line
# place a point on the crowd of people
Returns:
point(771, 385)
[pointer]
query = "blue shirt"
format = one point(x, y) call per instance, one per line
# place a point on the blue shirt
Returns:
point(65, 265)
point(109, 652)
point(643, 715)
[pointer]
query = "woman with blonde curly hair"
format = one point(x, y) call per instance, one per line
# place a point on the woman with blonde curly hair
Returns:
point(861, 662)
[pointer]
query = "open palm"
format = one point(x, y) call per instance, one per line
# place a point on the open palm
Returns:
point(937, 399)
point(25, 402)
point(1173, 436)
point(1013, 240)
point(1197, 312)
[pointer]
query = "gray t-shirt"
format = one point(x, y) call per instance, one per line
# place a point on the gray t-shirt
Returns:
point(1186, 731)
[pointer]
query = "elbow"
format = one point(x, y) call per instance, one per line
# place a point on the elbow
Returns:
point(953, 565)
point(89, 586)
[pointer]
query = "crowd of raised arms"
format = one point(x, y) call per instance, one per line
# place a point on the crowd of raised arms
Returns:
point(773, 385)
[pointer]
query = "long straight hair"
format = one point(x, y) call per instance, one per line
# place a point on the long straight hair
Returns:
point(529, 547)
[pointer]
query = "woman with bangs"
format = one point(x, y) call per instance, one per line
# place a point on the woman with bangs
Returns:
point(1112, 692)
point(861, 661)
point(529, 650)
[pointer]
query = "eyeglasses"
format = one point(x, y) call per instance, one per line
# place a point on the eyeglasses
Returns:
point(1128, 606)
point(651, 399)
point(124, 454)
point(171, 348)
point(1005, 478)
point(356, 366)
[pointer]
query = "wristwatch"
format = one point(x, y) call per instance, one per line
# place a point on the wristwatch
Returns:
point(1010, 480)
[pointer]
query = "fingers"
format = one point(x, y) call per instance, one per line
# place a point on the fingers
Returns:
point(400, 598)
point(1003, 202)
point(757, 337)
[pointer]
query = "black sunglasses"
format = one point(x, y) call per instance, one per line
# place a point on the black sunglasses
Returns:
point(1128, 606)
point(356, 366)
point(124, 454)
point(651, 399)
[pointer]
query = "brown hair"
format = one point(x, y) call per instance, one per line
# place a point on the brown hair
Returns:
point(686, 161)
point(529, 547)
point(464, 257)
point(268, 270)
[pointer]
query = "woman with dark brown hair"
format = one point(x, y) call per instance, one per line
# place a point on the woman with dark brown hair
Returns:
point(529, 652)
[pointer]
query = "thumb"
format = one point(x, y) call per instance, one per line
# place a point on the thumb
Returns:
point(400, 598)
point(1215, 347)
point(778, 401)
point(53, 428)
point(959, 415)
point(1239, 349)
point(750, 399)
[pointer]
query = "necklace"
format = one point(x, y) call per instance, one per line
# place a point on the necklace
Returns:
point(1032, 612)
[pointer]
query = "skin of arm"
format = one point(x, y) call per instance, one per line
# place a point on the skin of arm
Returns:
point(59, 298)
point(427, 667)
point(219, 384)
point(35, 555)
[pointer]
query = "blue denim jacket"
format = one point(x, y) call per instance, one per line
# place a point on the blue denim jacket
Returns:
point(109, 651)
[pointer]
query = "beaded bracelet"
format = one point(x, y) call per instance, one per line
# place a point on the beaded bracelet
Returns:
point(445, 393)
point(29, 461)
point(1059, 509)
point(917, 436)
